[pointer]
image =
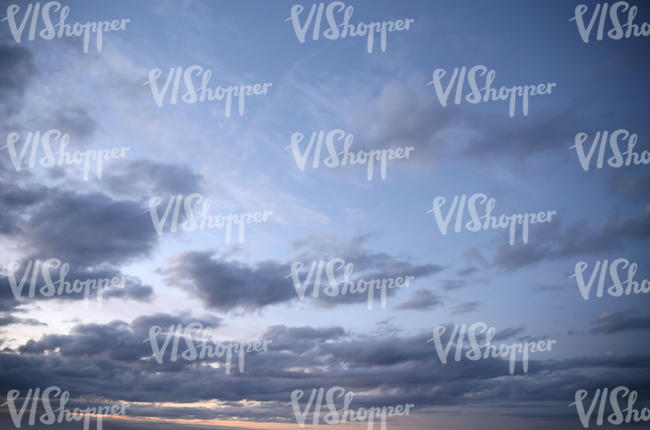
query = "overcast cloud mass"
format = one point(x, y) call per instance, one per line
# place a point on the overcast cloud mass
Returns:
point(220, 219)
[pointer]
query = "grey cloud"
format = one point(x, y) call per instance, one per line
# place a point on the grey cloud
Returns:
point(616, 322)
point(116, 340)
point(630, 186)
point(75, 121)
point(15, 201)
point(89, 229)
point(421, 300)
point(301, 339)
point(471, 132)
point(467, 271)
point(11, 320)
point(452, 284)
point(464, 308)
point(91, 232)
point(111, 279)
point(225, 285)
point(508, 333)
point(474, 256)
point(142, 323)
point(16, 72)
point(543, 288)
point(151, 178)
point(370, 264)
point(551, 241)
point(367, 265)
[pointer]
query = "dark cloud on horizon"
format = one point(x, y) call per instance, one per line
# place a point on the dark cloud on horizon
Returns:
point(392, 369)
point(111, 424)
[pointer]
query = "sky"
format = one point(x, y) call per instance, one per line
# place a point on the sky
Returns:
point(247, 160)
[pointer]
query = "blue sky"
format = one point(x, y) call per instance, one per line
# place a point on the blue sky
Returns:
point(242, 164)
